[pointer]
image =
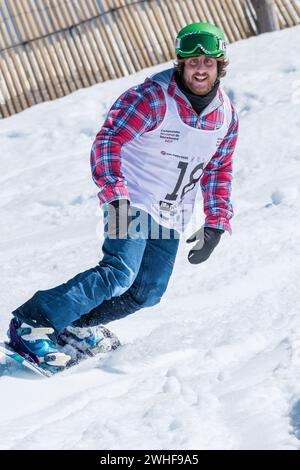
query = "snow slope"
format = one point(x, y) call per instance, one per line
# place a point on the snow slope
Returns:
point(216, 365)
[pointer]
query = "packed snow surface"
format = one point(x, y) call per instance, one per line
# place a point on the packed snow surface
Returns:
point(216, 365)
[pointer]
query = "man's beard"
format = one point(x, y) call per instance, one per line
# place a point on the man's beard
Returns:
point(199, 88)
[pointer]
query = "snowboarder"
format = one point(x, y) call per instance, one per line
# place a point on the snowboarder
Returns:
point(160, 140)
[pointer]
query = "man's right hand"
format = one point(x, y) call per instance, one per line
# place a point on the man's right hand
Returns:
point(118, 218)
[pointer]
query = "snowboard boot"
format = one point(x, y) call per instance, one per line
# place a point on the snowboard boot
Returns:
point(80, 342)
point(36, 345)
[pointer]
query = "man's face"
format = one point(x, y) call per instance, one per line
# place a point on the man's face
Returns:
point(200, 74)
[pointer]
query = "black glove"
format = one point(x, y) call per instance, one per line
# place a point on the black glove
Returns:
point(207, 241)
point(118, 218)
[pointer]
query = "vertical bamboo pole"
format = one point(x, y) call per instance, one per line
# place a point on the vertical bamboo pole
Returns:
point(69, 47)
point(199, 9)
point(143, 28)
point(117, 39)
point(16, 35)
point(241, 17)
point(219, 13)
point(94, 42)
point(50, 79)
point(58, 59)
point(225, 19)
point(151, 17)
point(13, 68)
point(191, 16)
point(49, 58)
point(4, 109)
point(158, 17)
point(4, 113)
point(248, 15)
point(108, 50)
point(144, 32)
point(296, 8)
point(171, 14)
point(176, 9)
point(285, 13)
point(81, 40)
point(293, 15)
point(138, 37)
point(12, 105)
point(124, 35)
point(35, 61)
point(171, 29)
point(25, 56)
point(128, 35)
point(86, 38)
point(225, 25)
point(75, 45)
point(281, 20)
point(235, 20)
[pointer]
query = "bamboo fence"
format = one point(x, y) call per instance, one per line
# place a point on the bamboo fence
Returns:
point(49, 48)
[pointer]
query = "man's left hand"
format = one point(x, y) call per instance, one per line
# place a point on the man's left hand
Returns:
point(207, 241)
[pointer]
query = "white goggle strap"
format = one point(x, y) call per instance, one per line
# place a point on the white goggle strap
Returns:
point(222, 45)
point(177, 43)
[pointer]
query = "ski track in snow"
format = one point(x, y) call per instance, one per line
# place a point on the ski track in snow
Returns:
point(216, 364)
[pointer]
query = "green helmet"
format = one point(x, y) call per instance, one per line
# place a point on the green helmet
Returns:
point(200, 39)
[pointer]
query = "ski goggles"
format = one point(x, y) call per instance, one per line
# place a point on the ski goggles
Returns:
point(207, 44)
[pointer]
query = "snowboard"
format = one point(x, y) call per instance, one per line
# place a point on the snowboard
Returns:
point(8, 355)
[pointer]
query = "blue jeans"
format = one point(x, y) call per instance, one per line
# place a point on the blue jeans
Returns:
point(133, 273)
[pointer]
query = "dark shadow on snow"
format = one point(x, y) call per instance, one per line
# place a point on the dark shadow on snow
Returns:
point(295, 419)
point(9, 368)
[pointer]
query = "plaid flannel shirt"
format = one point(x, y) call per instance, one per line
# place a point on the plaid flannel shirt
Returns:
point(141, 109)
